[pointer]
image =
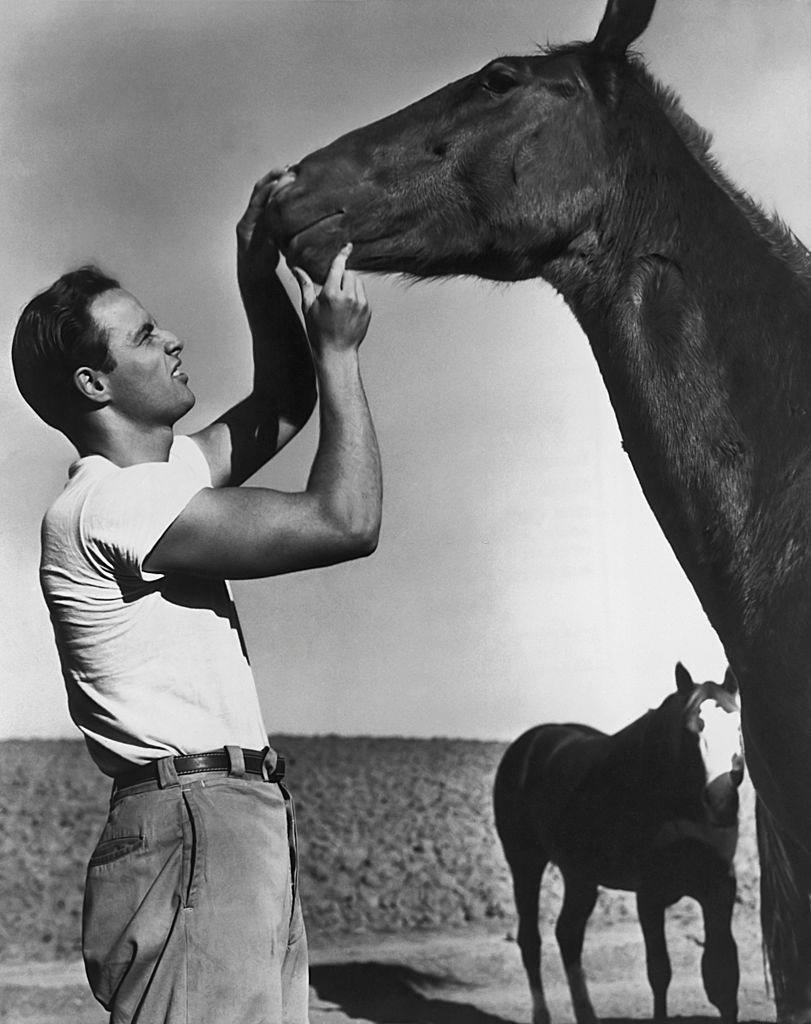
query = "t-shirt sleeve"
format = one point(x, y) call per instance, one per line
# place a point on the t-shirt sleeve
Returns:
point(129, 511)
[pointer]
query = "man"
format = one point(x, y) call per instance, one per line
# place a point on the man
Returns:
point(191, 912)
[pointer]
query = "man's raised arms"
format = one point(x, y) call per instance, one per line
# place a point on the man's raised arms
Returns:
point(246, 532)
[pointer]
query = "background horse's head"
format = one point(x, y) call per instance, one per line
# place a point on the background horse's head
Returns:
point(710, 715)
point(501, 174)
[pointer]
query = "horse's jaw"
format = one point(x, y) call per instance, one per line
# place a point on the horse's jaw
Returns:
point(310, 227)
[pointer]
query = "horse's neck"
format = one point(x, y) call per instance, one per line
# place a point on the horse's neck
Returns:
point(642, 756)
point(701, 351)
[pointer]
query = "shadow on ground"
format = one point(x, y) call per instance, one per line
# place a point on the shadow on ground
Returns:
point(390, 993)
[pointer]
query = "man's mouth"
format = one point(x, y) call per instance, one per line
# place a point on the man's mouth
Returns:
point(181, 376)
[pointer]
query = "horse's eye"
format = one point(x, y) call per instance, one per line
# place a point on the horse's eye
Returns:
point(564, 87)
point(499, 79)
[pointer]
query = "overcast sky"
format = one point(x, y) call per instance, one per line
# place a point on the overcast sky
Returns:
point(520, 576)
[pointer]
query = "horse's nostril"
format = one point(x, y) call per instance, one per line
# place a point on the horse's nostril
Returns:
point(439, 149)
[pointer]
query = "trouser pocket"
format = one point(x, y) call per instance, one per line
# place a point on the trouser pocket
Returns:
point(137, 879)
point(113, 847)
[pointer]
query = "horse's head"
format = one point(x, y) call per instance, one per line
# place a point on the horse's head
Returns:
point(499, 174)
point(711, 712)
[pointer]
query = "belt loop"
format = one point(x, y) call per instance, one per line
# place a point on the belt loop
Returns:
point(269, 762)
point(167, 776)
point(236, 760)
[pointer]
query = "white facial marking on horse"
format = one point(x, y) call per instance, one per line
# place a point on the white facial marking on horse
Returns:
point(719, 739)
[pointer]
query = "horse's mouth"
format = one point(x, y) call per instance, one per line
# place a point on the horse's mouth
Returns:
point(301, 243)
point(313, 226)
point(312, 242)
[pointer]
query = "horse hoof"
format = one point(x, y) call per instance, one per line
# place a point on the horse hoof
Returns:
point(584, 1014)
point(540, 1014)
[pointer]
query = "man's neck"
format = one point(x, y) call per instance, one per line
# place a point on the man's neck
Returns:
point(127, 445)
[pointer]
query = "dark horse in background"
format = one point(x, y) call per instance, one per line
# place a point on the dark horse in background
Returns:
point(652, 809)
point(576, 166)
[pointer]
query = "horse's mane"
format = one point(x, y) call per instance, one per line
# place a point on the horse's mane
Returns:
point(778, 236)
point(654, 740)
point(774, 231)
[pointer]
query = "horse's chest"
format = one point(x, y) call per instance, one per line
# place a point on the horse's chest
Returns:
point(677, 833)
point(633, 856)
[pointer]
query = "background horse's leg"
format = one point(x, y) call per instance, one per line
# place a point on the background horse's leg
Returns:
point(651, 910)
point(527, 867)
point(578, 903)
point(785, 877)
point(719, 962)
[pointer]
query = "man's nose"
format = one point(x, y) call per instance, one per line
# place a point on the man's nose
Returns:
point(171, 342)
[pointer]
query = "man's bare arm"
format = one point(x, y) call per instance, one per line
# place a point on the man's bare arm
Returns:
point(244, 438)
point(245, 532)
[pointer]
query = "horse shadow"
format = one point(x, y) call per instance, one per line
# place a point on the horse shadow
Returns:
point(394, 994)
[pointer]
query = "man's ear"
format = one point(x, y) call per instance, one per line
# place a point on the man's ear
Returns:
point(91, 384)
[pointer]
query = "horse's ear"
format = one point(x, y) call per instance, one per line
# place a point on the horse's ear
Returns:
point(623, 22)
point(684, 681)
point(730, 683)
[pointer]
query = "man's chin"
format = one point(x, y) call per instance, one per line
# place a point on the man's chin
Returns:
point(187, 405)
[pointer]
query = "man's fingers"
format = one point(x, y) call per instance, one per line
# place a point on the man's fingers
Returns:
point(360, 290)
point(308, 293)
point(265, 186)
point(353, 286)
point(250, 227)
point(268, 179)
point(335, 273)
point(283, 179)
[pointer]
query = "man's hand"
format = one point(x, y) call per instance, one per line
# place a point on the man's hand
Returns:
point(257, 255)
point(338, 316)
point(251, 532)
point(284, 390)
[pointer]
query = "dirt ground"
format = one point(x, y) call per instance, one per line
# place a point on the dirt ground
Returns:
point(468, 977)
point(406, 894)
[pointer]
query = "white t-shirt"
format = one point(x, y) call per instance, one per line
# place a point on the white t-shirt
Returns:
point(153, 664)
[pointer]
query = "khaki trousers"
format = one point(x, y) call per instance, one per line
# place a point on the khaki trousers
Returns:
point(191, 911)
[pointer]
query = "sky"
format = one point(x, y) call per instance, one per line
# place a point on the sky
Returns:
point(520, 576)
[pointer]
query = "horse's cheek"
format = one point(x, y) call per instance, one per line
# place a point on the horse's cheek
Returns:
point(561, 186)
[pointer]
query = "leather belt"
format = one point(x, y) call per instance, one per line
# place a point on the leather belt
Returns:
point(210, 761)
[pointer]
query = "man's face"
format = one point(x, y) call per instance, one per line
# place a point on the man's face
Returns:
point(147, 385)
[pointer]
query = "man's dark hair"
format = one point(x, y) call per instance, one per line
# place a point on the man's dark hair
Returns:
point(55, 335)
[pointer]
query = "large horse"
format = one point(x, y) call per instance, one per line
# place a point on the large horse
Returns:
point(575, 165)
point(653, 809)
